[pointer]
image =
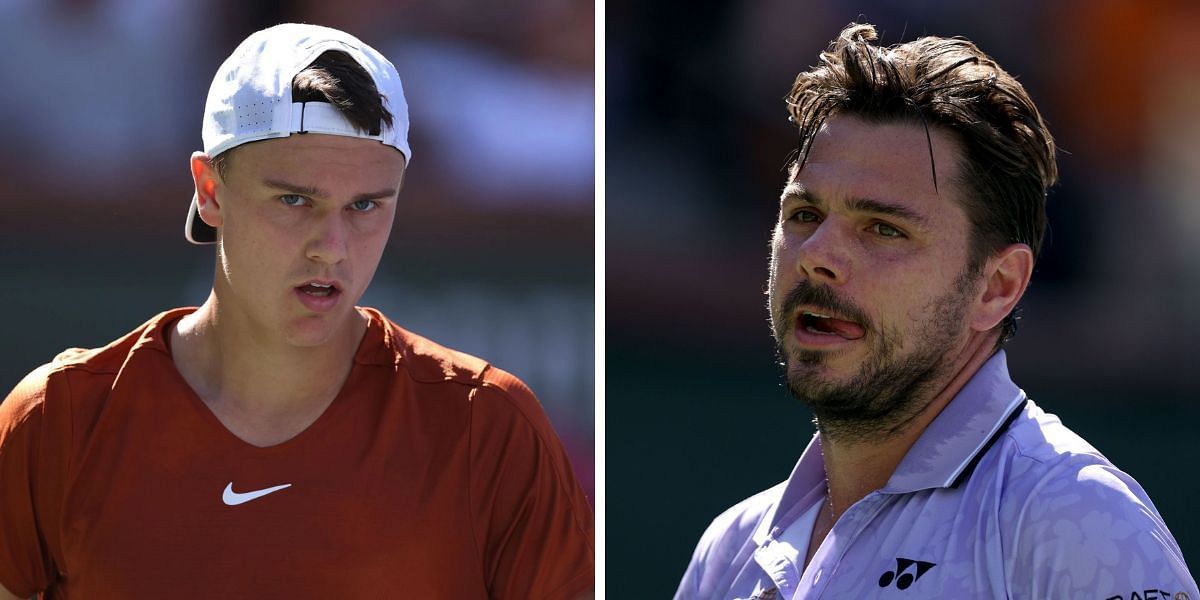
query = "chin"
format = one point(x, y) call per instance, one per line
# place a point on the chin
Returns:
point(823, 360)
point(315, 330)
point(824, 367)
point(819, 373)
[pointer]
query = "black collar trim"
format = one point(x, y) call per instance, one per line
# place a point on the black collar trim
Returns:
point(1012, 416)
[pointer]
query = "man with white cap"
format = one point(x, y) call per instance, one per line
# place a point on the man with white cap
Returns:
point(278, 441)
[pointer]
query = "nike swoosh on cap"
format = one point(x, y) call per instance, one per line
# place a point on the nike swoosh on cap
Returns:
point(233, 498)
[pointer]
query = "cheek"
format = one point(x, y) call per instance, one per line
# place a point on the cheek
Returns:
point(369, 244)
point(920, 306)
point(781, 280)
point(373, 231)
point(253, 249)
point(784, 258)
point(367, 252)
point(246, 260)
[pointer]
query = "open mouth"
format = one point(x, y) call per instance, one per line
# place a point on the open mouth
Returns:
point(822, 324)
point(318, 290)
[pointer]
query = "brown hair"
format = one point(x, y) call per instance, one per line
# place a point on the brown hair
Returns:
point(1009, 163)
point(338, 79)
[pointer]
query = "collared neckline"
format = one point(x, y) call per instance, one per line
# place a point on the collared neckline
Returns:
point(946, 452)
point(375, 347)
point(957, 438)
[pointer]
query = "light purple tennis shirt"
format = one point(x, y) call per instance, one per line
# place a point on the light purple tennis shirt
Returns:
point(997, 499)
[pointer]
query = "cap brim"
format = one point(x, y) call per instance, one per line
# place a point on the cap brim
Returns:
point(196, 230)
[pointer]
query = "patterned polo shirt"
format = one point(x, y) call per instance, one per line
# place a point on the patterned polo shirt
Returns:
point(996, 499)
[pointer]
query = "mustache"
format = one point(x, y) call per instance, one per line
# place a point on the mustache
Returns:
point(821, 297)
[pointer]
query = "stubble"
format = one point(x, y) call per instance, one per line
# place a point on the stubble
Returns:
point(891, 387)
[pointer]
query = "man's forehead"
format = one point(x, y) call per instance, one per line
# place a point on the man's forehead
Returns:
point(890, 160)
point(325, 169)
point(317, 153)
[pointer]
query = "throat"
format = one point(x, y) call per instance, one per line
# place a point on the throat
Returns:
point(268, 424)
point(262, 395)
point(822, 525)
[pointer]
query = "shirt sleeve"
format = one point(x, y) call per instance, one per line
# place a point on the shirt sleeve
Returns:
point(725, 548)
point(1096, 535)
point(689, 585)
point(533, 524)
point(26, 563)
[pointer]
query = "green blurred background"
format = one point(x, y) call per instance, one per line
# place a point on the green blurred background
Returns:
point(697, 418)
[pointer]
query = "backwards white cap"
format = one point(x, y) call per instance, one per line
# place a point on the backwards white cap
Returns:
point(251, 97)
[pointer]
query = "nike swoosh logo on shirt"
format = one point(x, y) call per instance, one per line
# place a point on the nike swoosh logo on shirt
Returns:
point(233, 498)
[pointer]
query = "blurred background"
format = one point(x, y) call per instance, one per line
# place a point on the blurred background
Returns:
point(697, 418)
point(493, 247)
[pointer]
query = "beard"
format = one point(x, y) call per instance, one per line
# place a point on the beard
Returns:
point(890, 387)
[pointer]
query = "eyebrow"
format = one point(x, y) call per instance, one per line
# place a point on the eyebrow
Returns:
point(866, 205)
point(309, 190)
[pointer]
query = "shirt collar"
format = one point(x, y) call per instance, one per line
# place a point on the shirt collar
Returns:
point(954, 442)
point(946, 452)
point(375, 348)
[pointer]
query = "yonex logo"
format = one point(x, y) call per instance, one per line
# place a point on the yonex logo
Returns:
point(901, 576)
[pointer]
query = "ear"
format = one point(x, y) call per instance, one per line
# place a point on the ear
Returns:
point(206, 178)
point(1005, 277)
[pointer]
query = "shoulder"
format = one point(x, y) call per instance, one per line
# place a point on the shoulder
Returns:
point(426, 361)
point(77, 379)
point(1075, 522)
point(101, 363)
point(422, 358)
point(738, 523)
point(43, 408)
point(1043, 459)
point(24, 402)
point(731, 531)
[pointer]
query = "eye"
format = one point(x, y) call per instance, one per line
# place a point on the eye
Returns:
point(363, 205)
point(293, 199)
point(887, 231)
point(805, 215)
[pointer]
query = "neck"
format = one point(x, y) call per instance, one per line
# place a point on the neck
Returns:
point(256, 383)
point(855, 467)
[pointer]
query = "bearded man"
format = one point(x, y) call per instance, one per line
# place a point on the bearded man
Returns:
point(908, 230)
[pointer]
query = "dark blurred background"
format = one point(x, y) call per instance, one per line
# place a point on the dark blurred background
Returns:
point(492, 251)
point(696, 139)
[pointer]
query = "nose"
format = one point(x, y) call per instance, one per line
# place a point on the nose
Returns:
point(329, 240)
point(823, 256)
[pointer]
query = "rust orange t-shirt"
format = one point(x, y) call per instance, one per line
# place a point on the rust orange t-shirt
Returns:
point(431, 475)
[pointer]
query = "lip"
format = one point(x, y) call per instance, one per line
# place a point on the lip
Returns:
point(819, 311)
point(319, 304)
point(810, 339)
point(335, 283)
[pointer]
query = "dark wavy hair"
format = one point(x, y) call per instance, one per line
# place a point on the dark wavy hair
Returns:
point(1009, 163)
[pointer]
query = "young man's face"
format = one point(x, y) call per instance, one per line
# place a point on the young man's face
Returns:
point(865, 239)
point(297, 211)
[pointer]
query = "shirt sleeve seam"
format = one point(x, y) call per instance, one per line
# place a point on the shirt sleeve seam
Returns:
point(69, 468)
point(562, 481)
point(471, 484)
